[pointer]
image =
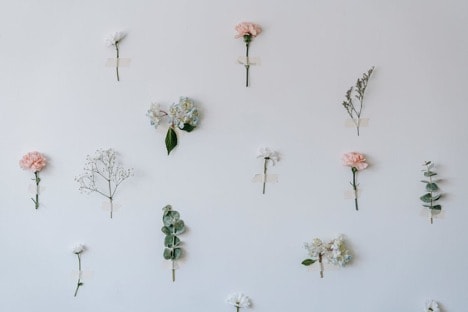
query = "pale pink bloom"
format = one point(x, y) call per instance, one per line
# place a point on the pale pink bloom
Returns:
point(246, 28)
point(355, 160)
point(33, 161)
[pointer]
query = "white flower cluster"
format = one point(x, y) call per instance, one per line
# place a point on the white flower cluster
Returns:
point(238, 300)
point(268, 154)
point(179, 114)
point(432, 306)
point(115, 38)
point(334, 252)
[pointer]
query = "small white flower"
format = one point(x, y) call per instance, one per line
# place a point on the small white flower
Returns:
point(432, 306)
point(238, 300)
point(79, 249)
point(155, 115)
point(115, 38)
point(267, 153)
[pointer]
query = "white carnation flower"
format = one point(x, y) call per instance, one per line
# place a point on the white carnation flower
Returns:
point(267, 153)
point(79, 249)
point(238, 300)
point(115, 38)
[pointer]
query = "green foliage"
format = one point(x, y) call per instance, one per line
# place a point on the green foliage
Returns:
point(188, 127)
point(171, 140)
point(308, 262)
point(431, 187)
point(173, 226)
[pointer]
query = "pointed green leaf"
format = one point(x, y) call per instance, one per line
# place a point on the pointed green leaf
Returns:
point(424, 181)
point(427, 206)
point(308, 262)
point(437, 207)
point(429, 174)
point(188, 127)
point(431, 187)
point(426, 198)
point(176, 254)
point(167, 254)
point(166, 230)
point(171, 140)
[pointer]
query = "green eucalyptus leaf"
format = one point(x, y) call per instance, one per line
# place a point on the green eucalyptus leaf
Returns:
point(429, 174)
point(427, 198)
point(428, 206)
point(424, 181)
point(431, 187)
point(170, 218)
point(437, 197)
point(437, 207)
point(177, 253)
point(179, 227)
point(188, 127)
point(308, 262)
point(167, 254)
point(166, 230)
point(171, 241)
point(171, 140)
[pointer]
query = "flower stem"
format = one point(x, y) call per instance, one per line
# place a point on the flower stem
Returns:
point(354, 170)
point(117, 60)
point(110, 197)
point(37, 179)
point(247, 63)
point(265, 173)
point(79, 283)
point(358, 124)
point(237, 309)
point(321, 265)
point(173, 271)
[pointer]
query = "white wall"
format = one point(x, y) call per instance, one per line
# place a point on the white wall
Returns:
point(58, 97)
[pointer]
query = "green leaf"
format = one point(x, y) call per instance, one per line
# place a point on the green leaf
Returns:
point(179, 227)
point(167, 254)
point(429, 174)
point(188, 127)
point(308, 262)
point(171, 140)
point(176, 254)
point(171, 241)
point(424, 181)
point(166, 230)
point(428, 206)
point(437, 197)
point(427, 198)
point(431, 187)
point(170, 218)
point(437, 207)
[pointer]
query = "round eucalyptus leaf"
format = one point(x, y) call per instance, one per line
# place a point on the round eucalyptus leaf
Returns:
point(167, 254)
point(176, 253)
point(166, 230)
point(179, 227)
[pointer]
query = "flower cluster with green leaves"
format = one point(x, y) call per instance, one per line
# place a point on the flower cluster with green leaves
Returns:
point(355, 109)
point(431, 196)
point(172, 227)
point(183, 115)
point(334, 252)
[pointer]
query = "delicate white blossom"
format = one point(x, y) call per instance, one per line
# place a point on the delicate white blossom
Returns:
point(155, 114)
point(238, 300)
point(79, 249)
point(267, 153)
point(115, 38)
point(334, 252)
point(432, 306)
point(183, 113)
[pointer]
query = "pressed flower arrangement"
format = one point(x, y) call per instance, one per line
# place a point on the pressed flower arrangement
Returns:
point(357, 92)
point(238, 300)
point(247, 31)
point(334, 252)
point(431, 196)
point(357, 162)
point(114, 41)
point(182, 115)
point(34, 162)
point(172, 227)
point(103, 175)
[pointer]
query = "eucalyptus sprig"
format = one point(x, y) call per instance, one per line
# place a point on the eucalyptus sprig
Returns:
point(355, 109)
point(432, 189)
point(172, 227)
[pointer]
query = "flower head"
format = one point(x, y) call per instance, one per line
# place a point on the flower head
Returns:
point(432, 306)
point(155, 114)
point(79, 249)
point(115, 38)
point(238, 300)
point(337, 252)
point(247, 29)
point(33, 161)
point(315, 248)
point(355, 160)
point(267, 153)
point(183, 113)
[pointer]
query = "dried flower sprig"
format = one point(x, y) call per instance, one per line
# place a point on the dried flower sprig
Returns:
point(239, 300)
point(356, 162)
point(103, 175)
point(78, 250)
point(34, 162)
point(354, 110)
point(172, 227)
point(268, 155)
point(334, 252)
point(431, 306)
point(247, 31)
point(432, 195)
point(114, 41)
point(183, 115)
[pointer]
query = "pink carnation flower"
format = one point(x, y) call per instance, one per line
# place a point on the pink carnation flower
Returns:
point(355, 160)
point(247, 28)
point(33, 161)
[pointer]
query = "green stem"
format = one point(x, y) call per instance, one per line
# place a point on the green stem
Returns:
point(79, 283)
point(247, 65)
point(173, 271)
point(237, 309)
point(37, 180)
point(265, 173)
point(117, 60)
point(321, 265)
point(110, 197)
point(354, 170)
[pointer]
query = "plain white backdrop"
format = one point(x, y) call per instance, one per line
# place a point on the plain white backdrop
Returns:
point(57, 96)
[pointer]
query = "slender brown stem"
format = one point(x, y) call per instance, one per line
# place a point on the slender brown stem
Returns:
point(79, 283)
point(265, 173)
point(321, 265)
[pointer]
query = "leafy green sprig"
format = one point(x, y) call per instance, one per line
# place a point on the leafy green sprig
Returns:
point(173, 226)
point(432, 196)
point(355, 109)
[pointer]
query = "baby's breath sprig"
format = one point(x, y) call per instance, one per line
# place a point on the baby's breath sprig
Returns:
point(355, 110)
